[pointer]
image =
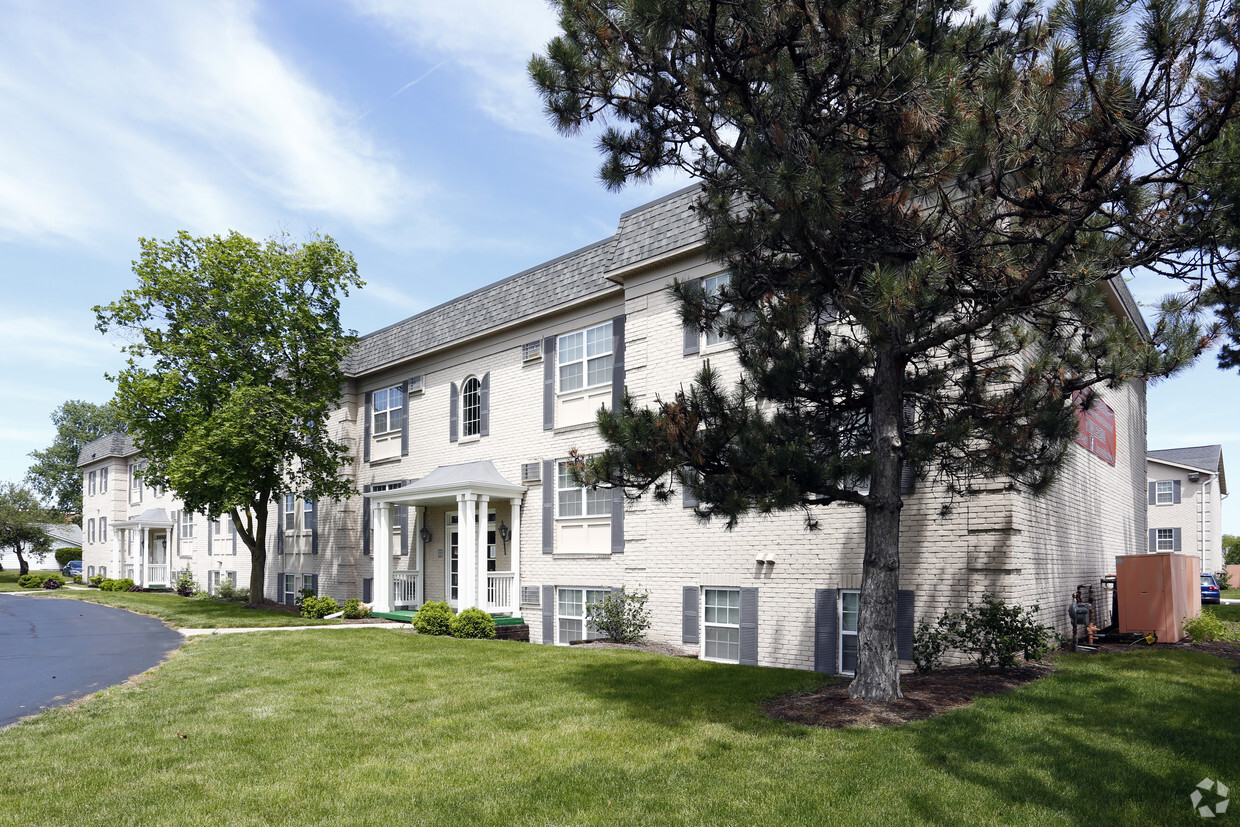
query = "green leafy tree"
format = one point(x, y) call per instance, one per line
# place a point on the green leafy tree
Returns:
point(1231, 550)
point(22, 520)
point(234, 366)
point(54, 474)
point(923, 211)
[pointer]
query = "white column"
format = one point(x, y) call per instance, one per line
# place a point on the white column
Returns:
point(484, 502)
point(139, 568)
point(114, 564)
point(515, 564)
point(467, 531)
point(419, 520)
point(381, 519)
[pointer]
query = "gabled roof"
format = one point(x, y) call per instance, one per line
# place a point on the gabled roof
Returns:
point(65, 532)
point(1208, 458)
point(113, 445)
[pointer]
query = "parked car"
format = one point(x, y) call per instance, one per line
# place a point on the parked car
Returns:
point(1209, 589)
point(74, 569)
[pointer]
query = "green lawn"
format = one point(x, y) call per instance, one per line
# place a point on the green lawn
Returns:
point(1231, 612)
point(8, 579)
point(386, 727)
point(1230, 594)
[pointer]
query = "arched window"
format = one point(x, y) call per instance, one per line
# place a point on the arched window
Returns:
point(471, 407)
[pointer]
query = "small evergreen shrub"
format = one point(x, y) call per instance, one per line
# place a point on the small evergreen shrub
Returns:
point(122, 584)
point(185, 586)
point(434, 618)
point(473, 624)
point(1209, 626)
point(227, 590)
point(621, 616)
point(1224, 580)
point(242, 595)
point(353, 609)
point(30, 581)
point(993, 634)
point(318, 607)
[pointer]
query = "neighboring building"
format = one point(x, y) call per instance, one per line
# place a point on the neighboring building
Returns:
point(460, 420)
point(59, 535)
point(1185, 490)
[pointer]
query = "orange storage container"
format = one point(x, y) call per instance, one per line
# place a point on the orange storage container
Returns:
point(1157, 593)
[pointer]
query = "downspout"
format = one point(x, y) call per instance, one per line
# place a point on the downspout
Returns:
point(1205, 492)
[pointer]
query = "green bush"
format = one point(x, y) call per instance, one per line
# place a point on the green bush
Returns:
point(1224, 580)
point(227, 589)
point(993, 634)
point(30, 581)
point(185, 585)
point(434, 618)
point(353, 609)
point(318, 607)
point(64, 555)
point(621, 616)
point(96, 579)
point(1209, 626)
point(53, 582)
point(242, 595)
point(473, 624)
point(122, 584)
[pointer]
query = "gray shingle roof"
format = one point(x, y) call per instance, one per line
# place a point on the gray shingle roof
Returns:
point(658, 227)
point(1205, 457)
point(559, 281)
point(113, 445)
point(64, 532)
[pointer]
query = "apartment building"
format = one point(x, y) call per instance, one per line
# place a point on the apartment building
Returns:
point(1185, 488)
point(460, 421)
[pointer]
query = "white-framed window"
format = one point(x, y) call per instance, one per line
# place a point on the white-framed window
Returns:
point(850, 611)
point(215, 526)
point(711, 285)
point(571, 623)
point(721, 625)
point(103, 480)
point(90, 571)
point(387, 406)
point(135, 484)
point(91, 485)
point(290, 589)
point(1165, 538)
point(103, 529)
point(471, 407)
point(574, 500)
point(90, 531)
point(290, 512)
point(187, 525)
point(1164, 492)
point(307, 582)
point(584, 358)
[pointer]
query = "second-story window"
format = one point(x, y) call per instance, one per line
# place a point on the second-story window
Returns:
point(471, 407)
point(387, 407)
point(1165, 491)
point(585, 358)
point(575, 500)
point(290, 512)
point(712, 285)
point(91, 487)
point(187, 524)
point(103, 480)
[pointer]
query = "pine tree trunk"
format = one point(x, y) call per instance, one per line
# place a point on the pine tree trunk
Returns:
point(878, 665)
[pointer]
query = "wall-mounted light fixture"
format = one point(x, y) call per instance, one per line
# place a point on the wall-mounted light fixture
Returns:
point(425, 534)
point(504, 533)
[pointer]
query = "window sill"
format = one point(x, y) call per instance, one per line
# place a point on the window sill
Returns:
point(469, 440)
point(385, 461)
point(581, 555)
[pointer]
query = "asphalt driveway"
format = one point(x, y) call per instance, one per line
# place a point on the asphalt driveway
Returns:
point(54, 651)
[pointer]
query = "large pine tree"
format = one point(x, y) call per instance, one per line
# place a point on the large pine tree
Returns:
point(923, 211)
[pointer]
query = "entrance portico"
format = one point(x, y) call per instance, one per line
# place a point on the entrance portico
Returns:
point(473, 489)
point(145, 548)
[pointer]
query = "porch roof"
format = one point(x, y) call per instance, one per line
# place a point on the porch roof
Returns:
point(447, 481)
point(151, 518)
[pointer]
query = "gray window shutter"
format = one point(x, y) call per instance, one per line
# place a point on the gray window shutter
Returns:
point(1175, 539)
point(176, 528)
point(484, 397)
point(908, 474)
point(904, 624)
point(210, 540)
point(232, 525)
point(826, 631)
point(749, 627)
point(367, 589)
point(617, 362)
point(549, 383)
point(689, 615)
point(617, 521)
point(404, 418)
point(366, 427)
point(280, 531)
point(693, 339)
point(548, 506)
point(280, 588)
point(1175, 492)
point(1153, 493)
point(1153, 539)
point(548, 614)
point(454, 412)
point(402, 517)
point(312, 523)
point(366, 523)
point(314, 583)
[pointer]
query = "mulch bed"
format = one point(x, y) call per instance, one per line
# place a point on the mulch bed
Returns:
point(925, 696)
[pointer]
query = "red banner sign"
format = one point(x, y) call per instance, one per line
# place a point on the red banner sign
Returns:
point(1097, 425)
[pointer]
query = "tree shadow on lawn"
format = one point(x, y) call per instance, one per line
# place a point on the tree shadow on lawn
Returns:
point(1106, 739)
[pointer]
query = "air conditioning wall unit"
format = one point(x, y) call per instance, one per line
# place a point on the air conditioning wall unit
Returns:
point(531, 472)
point(531, 351)
point(415, 384)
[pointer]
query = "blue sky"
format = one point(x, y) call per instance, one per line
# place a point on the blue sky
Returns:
point(405, 129)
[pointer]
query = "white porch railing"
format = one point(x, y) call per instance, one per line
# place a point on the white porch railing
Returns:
point(499, 591)
point(404, 588)
point(157, 573)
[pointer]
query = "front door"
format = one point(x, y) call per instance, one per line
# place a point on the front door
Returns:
point(158, 552)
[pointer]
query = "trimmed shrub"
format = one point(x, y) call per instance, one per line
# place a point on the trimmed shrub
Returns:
point(434, 618)
point(122, 584)
point(473, 624)
point(185, 586)
point(227, 589)
point(622, 616)
point(1224, 579)
point(353, 609)
point(242, 595)
point(993, 633)
point(930, 643)
point(64, 555)
point(95, 580)
point(318, 607)
point(31, 581)
point(1209, 626)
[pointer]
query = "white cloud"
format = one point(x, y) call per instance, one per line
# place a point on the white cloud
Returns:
point(52, 342)
point(490, 40)
point(175, 110)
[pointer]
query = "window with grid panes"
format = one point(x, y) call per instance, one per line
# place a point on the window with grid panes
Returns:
point(290, 512)
point(1164, 492)
point(721, 621)
point(1166, 539)
point(577, 500)
point(571, 614)
point(850, 611)
point(711, 285)
point(584, 358)
point(386, 405)
point(187, 525)
point(471, 407)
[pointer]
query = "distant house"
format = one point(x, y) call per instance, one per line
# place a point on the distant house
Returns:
point(61, 536)
point(1186, 490)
